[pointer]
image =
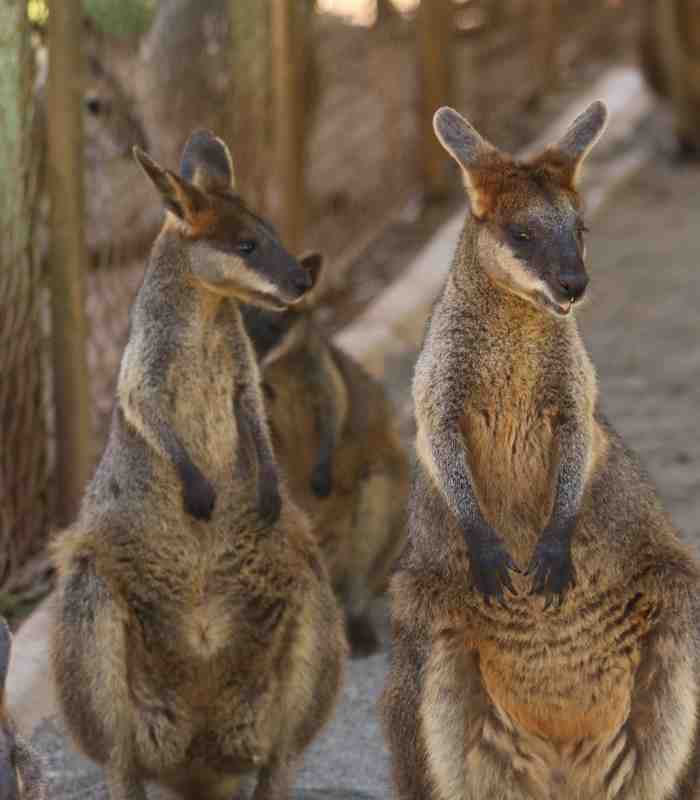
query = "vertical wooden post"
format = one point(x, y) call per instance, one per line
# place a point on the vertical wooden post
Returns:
point(544, 43)
point(251, 141)
point(67, 256)
point(434, 36)
point(288, 119)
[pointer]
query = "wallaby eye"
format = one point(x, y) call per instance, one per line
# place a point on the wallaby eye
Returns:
point(93, 105)
point(246, 246)
point(518, 234)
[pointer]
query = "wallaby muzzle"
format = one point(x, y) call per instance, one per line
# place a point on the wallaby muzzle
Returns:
point(567, 279)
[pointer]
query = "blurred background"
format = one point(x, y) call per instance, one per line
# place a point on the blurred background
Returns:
point(327, 107)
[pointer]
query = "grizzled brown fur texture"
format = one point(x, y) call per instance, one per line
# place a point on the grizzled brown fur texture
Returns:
point(21, 776)
point(578, 678)
point(334, 434)
point(197, 639)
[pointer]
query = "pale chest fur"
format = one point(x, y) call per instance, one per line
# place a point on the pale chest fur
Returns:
point(200, 387)
point(192, 394)
point(513, 408)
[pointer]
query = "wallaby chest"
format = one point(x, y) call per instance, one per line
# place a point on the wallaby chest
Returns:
point(200, 386)
point(509, 421)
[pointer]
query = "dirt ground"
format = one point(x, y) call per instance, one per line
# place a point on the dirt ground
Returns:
point(643, 329)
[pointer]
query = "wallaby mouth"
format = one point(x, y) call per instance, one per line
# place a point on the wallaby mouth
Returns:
point(561, 308)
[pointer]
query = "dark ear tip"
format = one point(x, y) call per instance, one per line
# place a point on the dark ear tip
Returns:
point(200, 136)
point(599, 110)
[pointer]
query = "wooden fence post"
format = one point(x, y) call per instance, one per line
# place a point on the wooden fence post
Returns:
point(288, 118)
point(544, 44)
point(68, 256)
point(434, 36)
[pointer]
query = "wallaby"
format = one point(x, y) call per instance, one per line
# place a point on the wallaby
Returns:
point(197, 639)
point(581, 681)
point(333, 433)
point(670, 61)
point(20, 768)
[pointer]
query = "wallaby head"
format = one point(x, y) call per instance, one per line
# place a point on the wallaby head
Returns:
point(530, 231)
point(230, 251)
point(269, 329)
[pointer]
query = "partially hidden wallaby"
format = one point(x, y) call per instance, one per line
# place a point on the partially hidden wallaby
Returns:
point(334, 435)
point(21, 776)
point(670, 62)
point(579, 678)
point(197, 639)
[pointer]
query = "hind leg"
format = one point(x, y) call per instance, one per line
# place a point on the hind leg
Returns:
point(400, 705)
point(378, 537)
point(90, 669)
point(314, 680)
point(275, 780)
point(122, 785)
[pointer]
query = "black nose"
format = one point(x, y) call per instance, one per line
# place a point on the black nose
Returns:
point(301, 280)
point(574, 284)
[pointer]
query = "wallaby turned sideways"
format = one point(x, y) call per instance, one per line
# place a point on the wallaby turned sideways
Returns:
point(197, 638)
point(333, 433)
point(579, 678)
point(20, 768)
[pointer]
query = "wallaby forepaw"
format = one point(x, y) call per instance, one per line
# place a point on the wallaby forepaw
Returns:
point(552, 570)
point(490, 567)
point(270, 506)
point(321, 480)
point(199, 496)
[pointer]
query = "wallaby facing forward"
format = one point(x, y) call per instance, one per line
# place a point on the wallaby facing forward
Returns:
point(334, 436)
point(197, 637)
point(581, 681)
point(20, 768)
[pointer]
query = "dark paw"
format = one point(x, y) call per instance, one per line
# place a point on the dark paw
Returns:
point(362, 637)
point(321, 480)
point(198, 495)
point(687, 151)
point(269, 505)
point(552, 570)
point(490, 568)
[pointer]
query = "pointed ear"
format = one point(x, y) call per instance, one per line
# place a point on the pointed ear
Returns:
point(178, 196)
point(569, 153)
point(206, 162)
point(313, 264)
point(468, 148)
